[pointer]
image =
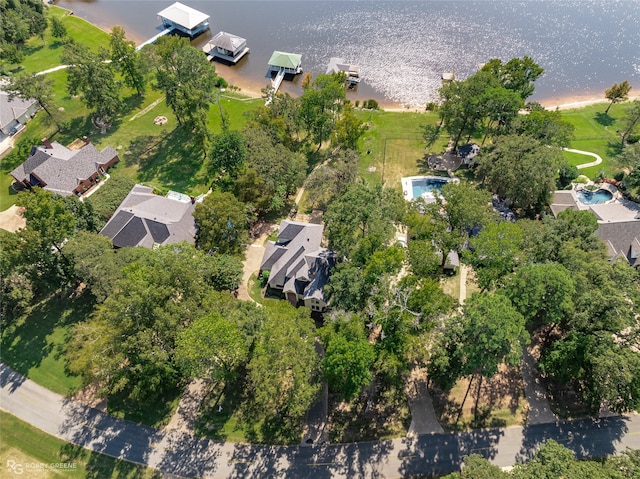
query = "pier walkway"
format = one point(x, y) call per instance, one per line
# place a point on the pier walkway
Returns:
point(275, 84)
point(154, 38)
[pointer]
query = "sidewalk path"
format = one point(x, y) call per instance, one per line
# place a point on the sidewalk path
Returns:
point(423, 416)
point(183, 455)
point(587, 153)
point(539, 407)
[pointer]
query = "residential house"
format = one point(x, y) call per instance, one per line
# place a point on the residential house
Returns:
point(14, 114)
point(618, 224)
point(148, 220)
point(298, 265)
point(56, 168)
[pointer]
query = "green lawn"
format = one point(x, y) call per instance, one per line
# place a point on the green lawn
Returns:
point(41, 55)
point(392, 146)
point(34, 344)
point(25, 444)
point(597, 133)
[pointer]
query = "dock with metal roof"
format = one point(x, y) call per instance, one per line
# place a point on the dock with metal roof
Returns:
point(226, 46)
point(184, 19)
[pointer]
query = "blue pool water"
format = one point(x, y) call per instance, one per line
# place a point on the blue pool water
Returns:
point(593, 197)
point(426, 186)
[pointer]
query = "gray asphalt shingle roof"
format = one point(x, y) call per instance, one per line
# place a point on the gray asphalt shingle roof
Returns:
point(62, 169)
point(145, 219)
point(297, 262)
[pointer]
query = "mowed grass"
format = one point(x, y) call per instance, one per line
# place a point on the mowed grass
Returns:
point(42, 55)
point(24, 444)
point(35, 343)
point(596, 132)
point(392, 146)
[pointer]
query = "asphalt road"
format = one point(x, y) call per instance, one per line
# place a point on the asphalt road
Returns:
point(183, 455)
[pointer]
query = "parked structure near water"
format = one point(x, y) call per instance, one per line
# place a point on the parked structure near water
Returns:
point(226, 46)
point(184, 19)
point(339, 65)
point(181, 18)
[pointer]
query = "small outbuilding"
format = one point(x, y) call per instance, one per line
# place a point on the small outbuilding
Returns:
point(184, 19)
point(226, 46)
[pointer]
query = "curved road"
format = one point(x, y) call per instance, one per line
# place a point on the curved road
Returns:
point(183, 455)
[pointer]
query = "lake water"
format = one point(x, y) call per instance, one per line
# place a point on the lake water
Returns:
point(403, 47)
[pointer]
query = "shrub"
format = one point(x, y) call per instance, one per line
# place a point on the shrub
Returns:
point(567, 174)
point(110, 195)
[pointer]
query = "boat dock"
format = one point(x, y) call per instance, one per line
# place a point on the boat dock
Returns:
point(155, 37)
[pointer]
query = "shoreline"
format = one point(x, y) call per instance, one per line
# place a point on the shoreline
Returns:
point(252, 87)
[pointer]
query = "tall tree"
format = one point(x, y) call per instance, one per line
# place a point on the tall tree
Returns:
point(128, 346)
point(522, 170)
point(222, 224)
point(38, 87)
point(495, 252)
point(58, 29)
point(127, 60)
point(617, 93)
point(320, 106)
point(518, 74)
point(211, 347)
point(348, 356)
point(544, 125)
point(490, 332)
point(91, 75)
point(284, 367)
point(187, 79)
point(542, 293)
point(631, 120)
point(228, 153)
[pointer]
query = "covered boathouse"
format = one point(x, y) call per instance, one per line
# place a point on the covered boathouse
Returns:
point(184, 19)
point(285, 62)
point(226, 46)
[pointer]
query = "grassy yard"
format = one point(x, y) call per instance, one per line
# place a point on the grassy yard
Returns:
point(392, 146)
point(24, 444)
point(595, 132)
point(35, 343)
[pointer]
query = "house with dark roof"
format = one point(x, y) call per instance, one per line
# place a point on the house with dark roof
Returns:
point(56, 168)
point(15, 113)
point(148, 220)
point(298, 265)
point(618, 223)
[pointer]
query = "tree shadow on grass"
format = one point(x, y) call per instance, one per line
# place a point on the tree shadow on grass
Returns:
point(98, 465)
point(174, 161)
point(155, 411)
point(24, 343)
point(604, 119)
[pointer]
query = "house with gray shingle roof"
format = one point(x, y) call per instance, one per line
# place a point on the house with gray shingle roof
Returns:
point(298, 265)
point(145, 219)
point(14, 113)
point(56, 168)
point(618, 224)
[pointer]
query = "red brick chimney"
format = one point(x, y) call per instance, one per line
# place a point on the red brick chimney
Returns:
point(86, 140)
point(47, 143)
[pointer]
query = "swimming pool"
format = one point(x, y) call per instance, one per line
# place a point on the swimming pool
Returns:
point(423, 186)
point(420, 187)
point(594, 197)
